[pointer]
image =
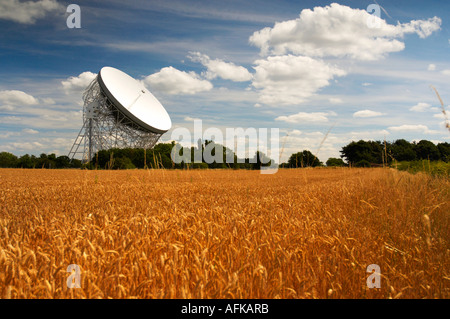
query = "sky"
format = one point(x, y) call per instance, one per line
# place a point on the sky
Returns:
point(323, 72)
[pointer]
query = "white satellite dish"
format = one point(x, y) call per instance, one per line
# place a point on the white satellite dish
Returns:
point(119, 112)
point(134, 100)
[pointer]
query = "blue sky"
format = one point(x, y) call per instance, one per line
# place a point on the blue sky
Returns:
point(305, 67)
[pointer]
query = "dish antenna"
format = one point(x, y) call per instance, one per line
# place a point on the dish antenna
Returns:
point(118, 112)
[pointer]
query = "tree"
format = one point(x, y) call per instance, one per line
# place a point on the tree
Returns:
point(8, 160)
point(402, 150)
point(370, 151)
point(216, 153)
point(62, 162)
point(427, 150)
point(303, 159)
point(123, 163)
point(165, 161)
point(27, 161)
point(76, 163)
point(362, 163)
point(335, 162)
point(260, 160)
point(444, 150)
point(46, 161)
point(200, 165)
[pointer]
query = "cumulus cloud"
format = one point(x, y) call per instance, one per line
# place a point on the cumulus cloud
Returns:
point(367, 113)
point(48, 100)
point(316, 117)
point(191, 119)
point(313, 141)
point(27, 12)
point(336, 31)
point(446, 72)
point(423, 107)
point(27, 146)
point(77, 84)
point(439, 116)
point(335, 100)
point(172, 81)
point(418, 128)
point(295, 133)
point(444, 113)
point(288, 79)
point(219, 68)
point(29, 131)
point(7, 119)
point(431, 67)
point(7, 108)
point(423, 28)
point(368, 135)
point(315, 134)
point(11, 98)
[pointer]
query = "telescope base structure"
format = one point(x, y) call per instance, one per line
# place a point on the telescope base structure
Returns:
point(105, 127)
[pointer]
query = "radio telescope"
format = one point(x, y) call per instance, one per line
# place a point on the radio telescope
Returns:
point(118, 112)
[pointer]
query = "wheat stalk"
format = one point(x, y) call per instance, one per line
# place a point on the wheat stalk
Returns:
point(447, 123)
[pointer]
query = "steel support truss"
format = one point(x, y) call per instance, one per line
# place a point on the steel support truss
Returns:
point(105, 127)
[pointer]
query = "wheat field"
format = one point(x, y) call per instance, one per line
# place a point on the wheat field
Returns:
point(299, 233)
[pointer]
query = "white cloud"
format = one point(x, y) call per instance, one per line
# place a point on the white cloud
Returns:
point(77, 84)
point(191, 119)
point(295, 133)
point(431, 67)
point(172, 81)
point(48, 101)
point(30, 131)
point(10, 98)
point(367, 113)
point(7, 119)
point(367, 84)
point(56, 118)
point(317, 117)
point(418, 128)
point(422, 107)
point(27, 146)
point(337, 30)
point(314, 142)
point(27, 12)
point(335, 100)
point(446, 72)
point(7, 108)
point(423, 28)
point(442, 115)
point(6, 135)
point(315, 134)
point(288, 79)
point(219, 68)
point(369, 135)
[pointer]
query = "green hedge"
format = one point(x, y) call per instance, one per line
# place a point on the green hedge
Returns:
point(435, 168)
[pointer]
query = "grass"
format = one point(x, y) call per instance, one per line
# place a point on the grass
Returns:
point(224, 233)
point(434, 168)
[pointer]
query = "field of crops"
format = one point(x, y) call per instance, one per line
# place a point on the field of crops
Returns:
point(300, 233)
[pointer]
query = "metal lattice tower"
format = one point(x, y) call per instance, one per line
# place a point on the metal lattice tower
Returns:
point(105, 127)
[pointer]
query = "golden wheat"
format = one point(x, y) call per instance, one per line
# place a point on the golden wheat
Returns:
point(300, 233)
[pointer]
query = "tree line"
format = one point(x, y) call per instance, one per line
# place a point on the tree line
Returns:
point(357, 154)
point(375, 153)
point(131, 158)
point(366, 153)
